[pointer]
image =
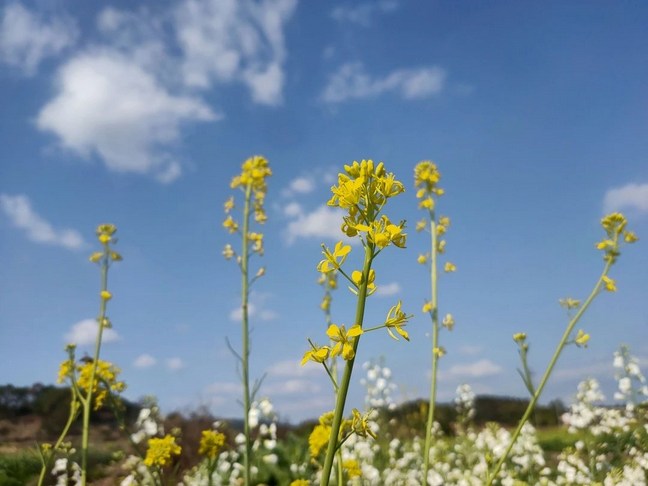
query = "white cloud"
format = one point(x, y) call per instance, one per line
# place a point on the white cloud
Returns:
point(144, 361)
point(18, 209)
point(234, 40)
point(470, 350)
point(478, 369)
point(387, 290)
point(256, 309)
point(85, 332)
point(291, 387)
point(323, 222)
point(26, 39)
point(301, 185)
point(630, 196)
point(352, 82)
point(291, 368)
point(110, 106)
point(362, 13)
point(292, 209)
point(175, 364)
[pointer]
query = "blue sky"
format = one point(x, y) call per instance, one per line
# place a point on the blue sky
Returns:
point(139, 114)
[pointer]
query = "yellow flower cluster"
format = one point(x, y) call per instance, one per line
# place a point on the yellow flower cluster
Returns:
point(426, 178)
point(106, 235)
point(300, 482)
point(334, 260)
point(363, 190)
point(160, 450)
point(614, 225)
point(254, 173)
point(319, 437)
point(329, 282)
point(360, 424)
point(211, 443)
point(105, 379)
point(352, 468)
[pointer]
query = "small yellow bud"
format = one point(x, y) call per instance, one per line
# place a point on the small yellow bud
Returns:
point(260, 272)
point(427, 307)
point(519, 337)
point(228, 252)
point(582, 338)
point(105, 295)
point(610, 285)
point(115, 257)
point(449, 267)
point(420, 225)
point(96, 256)
point(439, 352)
point(422, 259)
point(444, 221)
point(630, 237)
point(104, 238)
point(448, 322)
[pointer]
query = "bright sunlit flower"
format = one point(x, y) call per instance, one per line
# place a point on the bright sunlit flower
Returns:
point(159, 451)
point(211, 443)
point(318, 439)
point(609, 284)
point(105, 295)
point(317, 354)
point(230, 225)
point(360, 424)
point(334, 260)
point(343, 339)
point(449, 267)
point(422, 259)
point(396, 318)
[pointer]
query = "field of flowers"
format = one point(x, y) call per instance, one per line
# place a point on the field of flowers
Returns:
point(363, 447)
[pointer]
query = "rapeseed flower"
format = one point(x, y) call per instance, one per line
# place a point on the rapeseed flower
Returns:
point(105, 381)
point(344, 340)
point(396, 318)
point(318, 439)
point(360, 424)
point(334, 261)
point(317, 354)
point(609, 284)
point(211, 443)
point(449, 267)
point(160, 450)
point(582, 338)
point(352, 468)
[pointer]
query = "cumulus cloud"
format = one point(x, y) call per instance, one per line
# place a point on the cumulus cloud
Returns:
point(144, 361)
point(299, 185)
point(291, 387)
point(362, 14)
point(175, 364)
point(85, 333)
point(323, 222)
point(477, 369)
point(26, 39)
point(19, 210)
point(387, 290)
point(630, 196)
point(351, 81)
point(234, 40)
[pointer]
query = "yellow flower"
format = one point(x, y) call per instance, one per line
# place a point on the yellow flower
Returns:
point(427, 175)
point(422, 259)
point(96, 256)
point(344, 340)
point(229, 205)
point(257, 240)
point(105, 295)
point(105, 380)
point(630, 237)
point(254, 172)
point(448, 322)
point(107, 229)
point(318, 438)
point(211, 443)
point(160, 451)
point(421, 225)
point(115, 257)
point(444, 221)
point(103, 238)
point(439, 352)
point(228, 252)
point(317, 354)
point(519, 337)
point(300, 482)
point(325, 305)
point(427, 307)
point(582, 338)
point(569, 303)
point(352, 468)
point(441, 246)
point(65, 371)
point(356, 276)
point(610, 285)
point(440, 229)
point(395, 319)
point(360, 424)
point(449, 267)
point(230, 225)
point(334, 260)
point(383, 232)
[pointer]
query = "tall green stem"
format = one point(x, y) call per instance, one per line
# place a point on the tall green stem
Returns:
point(245, 370)
point(343, 387)
point(547, 373)
point(87, 401)
point(435, 345)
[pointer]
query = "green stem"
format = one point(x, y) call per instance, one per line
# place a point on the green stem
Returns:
point(87, 402)
point(245, 372)
point(74, 412)
point(343, 388)
point(435, 345)
point(547, 373)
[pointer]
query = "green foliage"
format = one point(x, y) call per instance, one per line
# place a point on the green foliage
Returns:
point(18, 469)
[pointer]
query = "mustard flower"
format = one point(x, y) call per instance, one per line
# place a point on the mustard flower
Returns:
point(228, 251)
point(318, 439)
point(352, 468)
point(448, 322)
point(211, 443)
point(383, 232)
point(229, 205)
point(444, 221)
point(427, 307)
point(582, 338)
point(254, 172)
point(441, 244)
point(360, 424)
point(358, 280)
point(426, 176)
point(105, 295)
point(334, 260)
point(569, 303)
point(519, 337)
point(421, 225)
point(396, 318)
point(449, 267)
point(105, 380)
point(609, 284)
point(422, 259)
point(439, 351)
point(300, 482)
point(317, 354)
point(96, 256)
point(343, 340)
point(257, 239)
point(230, 225)
point(160, 451)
